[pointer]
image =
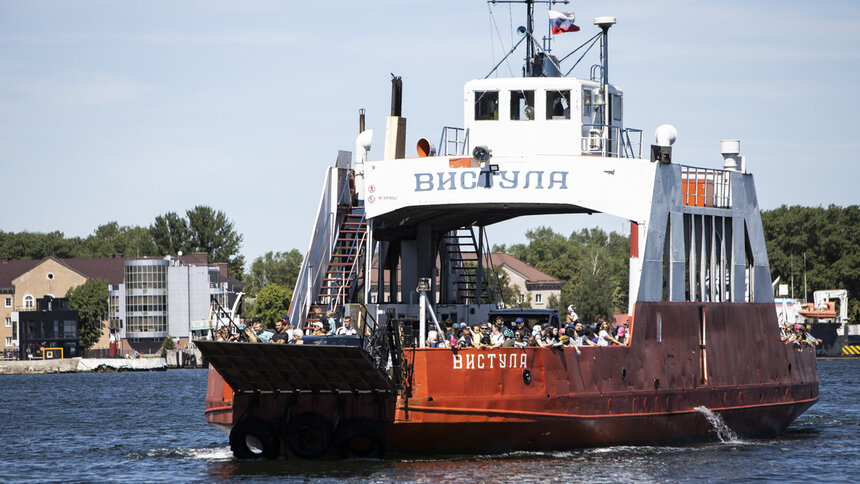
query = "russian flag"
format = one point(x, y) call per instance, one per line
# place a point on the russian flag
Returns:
point(561, 22)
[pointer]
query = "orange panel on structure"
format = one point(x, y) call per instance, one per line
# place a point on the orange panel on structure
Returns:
point(460, 163)
point(697, 192)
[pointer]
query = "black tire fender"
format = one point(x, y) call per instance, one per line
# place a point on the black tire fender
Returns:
point(309, 435)
point(361, 437)
point(254, 427)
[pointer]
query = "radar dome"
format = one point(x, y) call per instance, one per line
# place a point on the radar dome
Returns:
point(665, 135)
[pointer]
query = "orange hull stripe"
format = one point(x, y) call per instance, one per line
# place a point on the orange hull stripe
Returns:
point(567, 415)
point(219, 409)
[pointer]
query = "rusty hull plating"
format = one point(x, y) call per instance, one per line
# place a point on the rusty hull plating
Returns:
point(478, 400)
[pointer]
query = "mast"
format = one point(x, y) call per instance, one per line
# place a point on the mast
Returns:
point(604, 23)
point(531, 47)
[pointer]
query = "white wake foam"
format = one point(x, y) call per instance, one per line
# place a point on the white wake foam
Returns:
point(724, 433)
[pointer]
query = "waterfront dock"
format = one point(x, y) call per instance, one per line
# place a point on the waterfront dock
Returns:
point(82, 365)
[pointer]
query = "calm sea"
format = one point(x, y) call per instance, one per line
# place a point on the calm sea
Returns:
point(149, 427)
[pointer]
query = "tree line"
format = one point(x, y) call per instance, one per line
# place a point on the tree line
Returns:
point(821, 243)
point(201, 229)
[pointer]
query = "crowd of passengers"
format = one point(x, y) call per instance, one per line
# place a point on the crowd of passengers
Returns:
point(483, 335)
point(283, 332)
point(798, 335)
point(500, 334)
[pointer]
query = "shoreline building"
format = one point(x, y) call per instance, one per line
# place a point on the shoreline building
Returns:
point(163, 297)
point(534, 286)
point(51, 331)
point(150, 298)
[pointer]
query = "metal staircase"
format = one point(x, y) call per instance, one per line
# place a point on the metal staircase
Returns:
point(463, 251)
point(347, 256)
point(330, 270)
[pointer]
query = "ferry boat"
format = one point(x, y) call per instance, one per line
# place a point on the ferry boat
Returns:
point(399, 244)
point(827, 316)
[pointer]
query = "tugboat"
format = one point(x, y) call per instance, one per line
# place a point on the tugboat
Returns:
point(399, 244)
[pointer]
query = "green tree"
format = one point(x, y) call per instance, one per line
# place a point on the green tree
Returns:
point(112, 238)
point(168, 344)
point(212, 232)
point(592, 264)
point(90, 299)
point(822, 244)
point(281, 268)
point(170, 233)
point(554, 302)
point(36, 245)
point(272, 302)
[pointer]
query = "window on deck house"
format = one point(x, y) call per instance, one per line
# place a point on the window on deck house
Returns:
point(522, 105)
point(558, 104)
point(486, 105)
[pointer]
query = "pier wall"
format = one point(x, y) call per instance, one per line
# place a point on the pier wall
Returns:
point(81, 365)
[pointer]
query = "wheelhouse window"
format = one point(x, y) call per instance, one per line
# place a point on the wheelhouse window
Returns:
point(617, 113)
point(486, 105)
point(522, 105)
point(558, 104)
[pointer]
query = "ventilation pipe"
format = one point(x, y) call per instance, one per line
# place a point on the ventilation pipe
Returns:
point(362, 147)
point(395, 125)
point(732, 161)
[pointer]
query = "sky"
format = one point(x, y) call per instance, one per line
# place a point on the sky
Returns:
point(123, 111)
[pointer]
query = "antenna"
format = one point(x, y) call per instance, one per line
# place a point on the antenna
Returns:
point(531, 46)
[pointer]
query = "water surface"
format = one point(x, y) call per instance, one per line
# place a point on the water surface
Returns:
point(149, 427)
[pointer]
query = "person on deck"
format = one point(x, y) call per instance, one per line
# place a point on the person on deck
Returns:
point(481, 339)
point(544, 338)
point(318, 329)
point(604, 337)
point(571, 314)
point(282, 333)
point(346, 329)
point(262, 335)
point(623, 335)
point(466, 340)
point(519, 340)
point(520, 325)
point(497, 338)
point(332, 322)
point(583, 336)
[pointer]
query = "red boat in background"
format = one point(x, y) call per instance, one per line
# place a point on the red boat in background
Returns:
point(399, 245)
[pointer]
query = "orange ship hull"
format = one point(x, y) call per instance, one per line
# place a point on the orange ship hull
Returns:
point(726, 357)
